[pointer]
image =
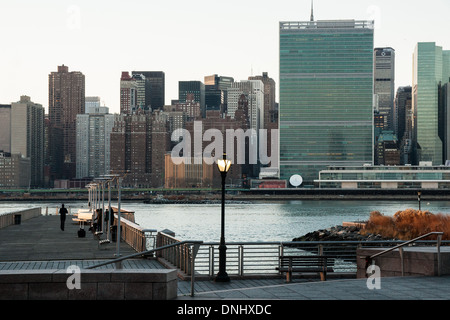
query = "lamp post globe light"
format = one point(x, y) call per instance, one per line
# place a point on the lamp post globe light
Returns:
point(222, 276)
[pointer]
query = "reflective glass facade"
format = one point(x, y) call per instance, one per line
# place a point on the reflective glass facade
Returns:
point(326, 96)
point(431, 67)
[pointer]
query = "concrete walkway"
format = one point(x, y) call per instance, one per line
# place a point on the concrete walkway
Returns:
point(396, 288)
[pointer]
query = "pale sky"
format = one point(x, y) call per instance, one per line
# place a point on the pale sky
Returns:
point(186, 39)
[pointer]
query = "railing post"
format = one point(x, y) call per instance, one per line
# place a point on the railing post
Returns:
point(280, 253)
point(402, 265)
point(211, 260)
point(320, 250)
point(241, 260)
point(194, 251)
point(439, 239)
point(187, 259)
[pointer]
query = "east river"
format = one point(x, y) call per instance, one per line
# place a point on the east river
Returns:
point(250, 221)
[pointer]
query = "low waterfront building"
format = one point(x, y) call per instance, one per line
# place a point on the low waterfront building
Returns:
point(385, 177)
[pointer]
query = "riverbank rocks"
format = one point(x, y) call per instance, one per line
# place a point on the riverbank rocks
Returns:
point(340, 233)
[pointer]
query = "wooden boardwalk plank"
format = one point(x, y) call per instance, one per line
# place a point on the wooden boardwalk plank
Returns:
point(38, 244)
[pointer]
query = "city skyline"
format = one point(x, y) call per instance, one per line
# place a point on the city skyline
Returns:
point(187, 41)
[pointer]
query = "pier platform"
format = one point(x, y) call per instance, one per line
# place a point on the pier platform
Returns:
point(41, 239)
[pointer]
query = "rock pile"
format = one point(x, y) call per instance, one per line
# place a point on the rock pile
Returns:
point(340, 233)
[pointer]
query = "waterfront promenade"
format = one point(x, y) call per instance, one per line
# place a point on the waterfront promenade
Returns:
point(39, 243)
point(41, 239)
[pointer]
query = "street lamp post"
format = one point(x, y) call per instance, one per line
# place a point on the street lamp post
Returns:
point(118, 216)
point(109, 210)
point(223, 166)
point(109, 178)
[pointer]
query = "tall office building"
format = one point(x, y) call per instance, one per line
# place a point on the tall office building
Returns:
point(27, 136)
point(128, 94)
point(384, 84)
point(402, 112)
point(53, 155)
point(139, 142)
point(154, 88)
point(142, 91)
point(326, 96)
point(431, 68)
point(269, 98)
point(5, 128)
point(93, 143)
point(254, 92)
point(66, 99)
point(403, 118)
point(216, 92)
point(444, 120)
point(197, 89)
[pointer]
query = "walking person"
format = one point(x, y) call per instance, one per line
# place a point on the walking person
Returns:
point(62, 215)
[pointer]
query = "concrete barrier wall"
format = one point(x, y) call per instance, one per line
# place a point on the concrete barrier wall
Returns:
point(417, 261)
point(8, 219)
point(106, 284)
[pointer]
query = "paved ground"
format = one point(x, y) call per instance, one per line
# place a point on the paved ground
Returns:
point(397, 288)
point(39, 243)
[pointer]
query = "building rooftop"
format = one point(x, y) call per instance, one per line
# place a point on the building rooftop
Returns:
point(327, 24)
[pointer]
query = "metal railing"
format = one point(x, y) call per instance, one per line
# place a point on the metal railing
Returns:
point(262, 258)
point(138, 238)
point(400, 247)
point(246, 259)
point(189, 248)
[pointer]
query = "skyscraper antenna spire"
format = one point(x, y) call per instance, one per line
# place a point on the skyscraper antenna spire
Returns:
point(312, 10)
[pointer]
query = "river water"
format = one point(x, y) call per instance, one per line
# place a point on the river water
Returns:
point(255, 221)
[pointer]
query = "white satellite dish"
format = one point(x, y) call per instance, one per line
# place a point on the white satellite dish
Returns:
point(296, 180)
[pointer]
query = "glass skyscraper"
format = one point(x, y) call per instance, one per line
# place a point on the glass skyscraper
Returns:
point(326, 96)
point(431, 68)
point(384, 86)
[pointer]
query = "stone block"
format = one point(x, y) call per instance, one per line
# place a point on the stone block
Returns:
point(87, 291)
point(26, 276)
point(48, 291)
point(13, 291)
point(138, 291)
point(165, 291)
point(172, 289)
point(94, 284)
point(110, 291)
point(143, 275)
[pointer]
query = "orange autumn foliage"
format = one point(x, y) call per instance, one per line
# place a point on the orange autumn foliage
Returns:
point(408, 224)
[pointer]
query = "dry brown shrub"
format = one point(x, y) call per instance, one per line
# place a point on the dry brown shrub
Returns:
point(380, 224)
point(408, 224)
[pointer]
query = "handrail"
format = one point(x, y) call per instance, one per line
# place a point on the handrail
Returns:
point(405, 243)
point(142, 253)
point(196, 245)
point(400, 247)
